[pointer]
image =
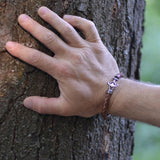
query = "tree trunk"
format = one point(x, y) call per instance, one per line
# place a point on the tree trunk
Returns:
point(26, 135)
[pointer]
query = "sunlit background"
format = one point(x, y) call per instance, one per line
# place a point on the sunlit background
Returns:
point(147, 138)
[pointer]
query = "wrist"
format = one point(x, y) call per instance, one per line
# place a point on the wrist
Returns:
point(112, 85)
point(117, 101)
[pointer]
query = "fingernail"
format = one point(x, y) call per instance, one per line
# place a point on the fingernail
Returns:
point(67, 16)
point(43, 10)
point(28, 103)
point(23, 18)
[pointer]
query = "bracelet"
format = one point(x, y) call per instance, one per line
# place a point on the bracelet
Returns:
point(112, 85)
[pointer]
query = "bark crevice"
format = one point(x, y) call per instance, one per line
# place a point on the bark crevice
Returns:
point(26, 135)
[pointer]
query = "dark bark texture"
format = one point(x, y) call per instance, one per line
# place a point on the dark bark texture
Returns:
point(26, 135)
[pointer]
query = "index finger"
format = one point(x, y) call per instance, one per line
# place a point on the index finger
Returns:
point(33, 57)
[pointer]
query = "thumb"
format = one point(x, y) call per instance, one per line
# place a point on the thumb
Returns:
point(44, 105)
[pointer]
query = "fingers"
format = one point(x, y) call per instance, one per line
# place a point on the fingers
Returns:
point(33, 57)
point(48, 38)
point(64, 28)
point(86, 26)
point(45, 105)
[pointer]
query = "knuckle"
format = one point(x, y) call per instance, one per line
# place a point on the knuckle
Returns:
point(67, 29)
point(99, 48)
point(35, 58)
point(78, 21)
point(49, 38)
point(90, 25)
point(87, 52)
point(78, 58)
point(64, 71)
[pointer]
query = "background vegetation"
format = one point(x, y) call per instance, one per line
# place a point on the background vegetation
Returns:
point(147, 138)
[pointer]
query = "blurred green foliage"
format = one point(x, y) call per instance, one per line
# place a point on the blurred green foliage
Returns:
point(151, 43)
point(147, 138)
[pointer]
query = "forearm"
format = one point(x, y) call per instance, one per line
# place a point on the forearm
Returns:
point(138, 101)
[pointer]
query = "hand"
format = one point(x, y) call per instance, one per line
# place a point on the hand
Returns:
point(81, 67)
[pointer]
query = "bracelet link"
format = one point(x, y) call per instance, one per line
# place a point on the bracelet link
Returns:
point(112, 85)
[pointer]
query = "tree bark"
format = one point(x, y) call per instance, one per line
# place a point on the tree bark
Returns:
point(26, 135)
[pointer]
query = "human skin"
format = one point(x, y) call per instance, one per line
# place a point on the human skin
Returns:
point(138, 101)
point(85, 66)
